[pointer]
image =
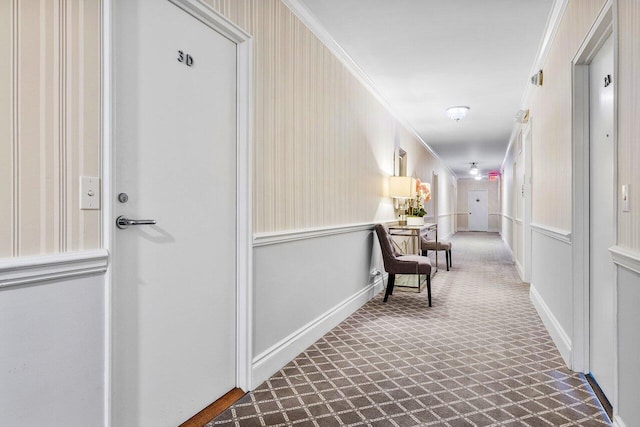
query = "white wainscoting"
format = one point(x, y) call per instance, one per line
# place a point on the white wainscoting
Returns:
point(628, 316)
point(53, 344)
point(305, 287)
point(551, 285)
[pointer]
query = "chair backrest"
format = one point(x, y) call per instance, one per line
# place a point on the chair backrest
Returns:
point(389, 252)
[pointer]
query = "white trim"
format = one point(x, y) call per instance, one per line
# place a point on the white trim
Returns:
point(555, 233)
point(36, 269)
point(626, 258)
point(520, 269)
point(518, 221)
point(509, 217)
point(558, 334)
point(212, 18)
point(108, 184)
point(265, 239)
point(310, 21)
point(275, 357)
point(446, 214)
point(617, 421)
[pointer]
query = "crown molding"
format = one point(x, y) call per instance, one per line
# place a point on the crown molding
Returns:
point(312, 23)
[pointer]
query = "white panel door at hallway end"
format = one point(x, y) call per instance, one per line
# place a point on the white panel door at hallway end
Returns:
point(174, 285)
point(478, 204)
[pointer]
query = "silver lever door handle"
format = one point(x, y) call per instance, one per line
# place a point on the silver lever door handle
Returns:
point(122, 222)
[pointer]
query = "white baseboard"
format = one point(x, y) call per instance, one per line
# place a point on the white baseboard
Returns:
point(520, 270)
point(277, 356)
point(617, 421)
point(559, 336)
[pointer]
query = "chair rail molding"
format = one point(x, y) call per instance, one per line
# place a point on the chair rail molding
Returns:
point(626, 258)
point(36, 269)
point(555, 233)
point(265, 239)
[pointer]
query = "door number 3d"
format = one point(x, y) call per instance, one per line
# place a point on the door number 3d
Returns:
point(185, 58)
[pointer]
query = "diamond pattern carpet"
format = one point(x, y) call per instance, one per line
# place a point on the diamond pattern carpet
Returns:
point(480, 356)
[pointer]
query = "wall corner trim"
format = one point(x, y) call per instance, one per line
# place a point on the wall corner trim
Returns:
point(278, 355)
point(625, 257)
point(41, 268)
point(558, 334)
point(554, 233)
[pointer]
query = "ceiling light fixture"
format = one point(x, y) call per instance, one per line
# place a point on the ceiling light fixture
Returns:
point(474, 169)
point(458, 113)
point(478, 177)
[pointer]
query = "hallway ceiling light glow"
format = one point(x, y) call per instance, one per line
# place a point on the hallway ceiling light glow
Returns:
point(478, 177)
point(474, 169)
point(458, 113)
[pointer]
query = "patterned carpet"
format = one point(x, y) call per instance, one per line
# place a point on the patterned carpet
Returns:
point(480, 356)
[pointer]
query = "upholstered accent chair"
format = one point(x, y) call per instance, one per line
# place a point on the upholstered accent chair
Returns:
point(430, 245)
point(396, 263)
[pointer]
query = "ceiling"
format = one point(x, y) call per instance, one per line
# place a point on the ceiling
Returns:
point(426, 55)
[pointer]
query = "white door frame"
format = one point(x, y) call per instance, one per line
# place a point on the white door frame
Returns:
point(604, 26)
point(244, 139)
point(526, 219)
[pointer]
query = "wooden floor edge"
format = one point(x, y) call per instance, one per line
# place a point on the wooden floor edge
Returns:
point(215, 409)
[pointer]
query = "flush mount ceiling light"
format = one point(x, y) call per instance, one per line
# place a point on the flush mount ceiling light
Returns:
point(457, 113)
point(474, 169)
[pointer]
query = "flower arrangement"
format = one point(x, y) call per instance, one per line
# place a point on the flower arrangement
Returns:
point(423, 195)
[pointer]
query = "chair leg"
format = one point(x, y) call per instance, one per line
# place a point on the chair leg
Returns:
point(450, 261)
point(446, 253)
point(429, 288)
point(390, 282)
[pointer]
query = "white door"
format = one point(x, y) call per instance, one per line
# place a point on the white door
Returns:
point(601, 227)
point(174, 285)
point(478, 204)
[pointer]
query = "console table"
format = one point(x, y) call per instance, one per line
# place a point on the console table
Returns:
point(415, 232)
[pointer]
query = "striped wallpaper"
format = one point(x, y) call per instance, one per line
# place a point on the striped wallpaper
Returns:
point(324, 145)
point(551, 119)
point(49, 124)
point(628, 124)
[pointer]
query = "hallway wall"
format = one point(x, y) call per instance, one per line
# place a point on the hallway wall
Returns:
point(551, 288)
point(324, 147)
point(628, 92)
point(52, 321)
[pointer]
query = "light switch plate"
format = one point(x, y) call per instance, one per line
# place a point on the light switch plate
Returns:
point(625, 198)
point(89, 192)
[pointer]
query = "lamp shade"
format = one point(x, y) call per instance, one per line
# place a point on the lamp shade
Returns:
point(402, 187)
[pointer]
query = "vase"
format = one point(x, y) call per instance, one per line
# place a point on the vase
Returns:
point(415, 220)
